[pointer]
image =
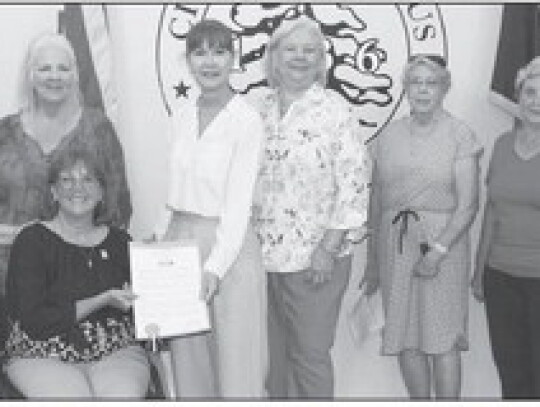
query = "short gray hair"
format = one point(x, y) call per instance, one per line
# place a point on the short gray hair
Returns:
point(528, 71)
point(26, 91)
point(287, 27)
point(435, 62)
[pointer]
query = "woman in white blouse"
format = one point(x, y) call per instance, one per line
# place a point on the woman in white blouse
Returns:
point(214, 165)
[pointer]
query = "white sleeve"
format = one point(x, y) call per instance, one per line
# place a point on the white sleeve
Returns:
point(236, 211)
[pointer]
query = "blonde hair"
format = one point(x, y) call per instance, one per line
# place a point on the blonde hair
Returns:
point(47, 40)
point(528, 71)
point(285, 28)
point(434, 62)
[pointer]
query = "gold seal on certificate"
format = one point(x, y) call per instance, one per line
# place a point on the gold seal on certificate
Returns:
point(166, 277)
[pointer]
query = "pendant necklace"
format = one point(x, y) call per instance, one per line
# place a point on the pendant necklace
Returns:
point(88, 254)
point(80, 239)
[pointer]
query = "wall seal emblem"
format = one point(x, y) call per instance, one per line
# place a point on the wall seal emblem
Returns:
point(366, 49)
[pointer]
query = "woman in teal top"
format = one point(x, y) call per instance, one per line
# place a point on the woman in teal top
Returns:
point(507, 274)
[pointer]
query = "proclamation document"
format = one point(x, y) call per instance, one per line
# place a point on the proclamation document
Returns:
point(166, 277)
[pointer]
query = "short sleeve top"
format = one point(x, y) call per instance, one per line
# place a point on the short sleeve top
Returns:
point(417, 171)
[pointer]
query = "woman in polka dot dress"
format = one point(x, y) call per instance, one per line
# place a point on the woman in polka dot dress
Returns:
point(424, 198)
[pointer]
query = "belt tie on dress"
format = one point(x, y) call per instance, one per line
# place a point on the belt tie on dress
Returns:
point(403, 217)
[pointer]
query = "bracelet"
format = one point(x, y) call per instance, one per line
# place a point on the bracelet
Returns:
point(439, 247)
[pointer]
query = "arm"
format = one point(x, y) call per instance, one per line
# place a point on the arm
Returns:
point(86, 306)
point(236, 211)
point(352, 172)
point(466, 174)
point(371, 271)
point(121, 299)
point(42, 306)
point(483, 251)
point(351, 169)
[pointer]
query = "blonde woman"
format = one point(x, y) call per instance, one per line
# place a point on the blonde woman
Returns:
point(312, 191)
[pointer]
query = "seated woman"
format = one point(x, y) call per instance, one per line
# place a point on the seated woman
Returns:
point(51, 117)
point(71, 330)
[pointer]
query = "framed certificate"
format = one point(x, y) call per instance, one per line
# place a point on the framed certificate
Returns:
point(166, 277)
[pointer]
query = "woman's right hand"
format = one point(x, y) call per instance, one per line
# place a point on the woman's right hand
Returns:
point(121, 299)
point(209, 286)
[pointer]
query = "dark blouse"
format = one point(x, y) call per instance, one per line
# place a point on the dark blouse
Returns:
point(24, 167)
point(46, 277)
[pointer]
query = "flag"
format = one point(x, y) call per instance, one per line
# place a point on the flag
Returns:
point(519, 43)
point(87, 28)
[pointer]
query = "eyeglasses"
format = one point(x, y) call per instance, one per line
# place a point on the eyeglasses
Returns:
point(437, 59)
point(69, 182)
point(429, 83)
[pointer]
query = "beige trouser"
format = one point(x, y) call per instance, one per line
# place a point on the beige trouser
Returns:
point(230, 361)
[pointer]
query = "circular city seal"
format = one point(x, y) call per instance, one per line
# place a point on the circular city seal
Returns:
point(366, 49)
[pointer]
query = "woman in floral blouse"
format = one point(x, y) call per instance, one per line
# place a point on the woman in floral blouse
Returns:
point(311, 192)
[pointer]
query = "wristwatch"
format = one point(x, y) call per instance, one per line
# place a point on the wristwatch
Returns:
point(439, 247)
point(426, 247)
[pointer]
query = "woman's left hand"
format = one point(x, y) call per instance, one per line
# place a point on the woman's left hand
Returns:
point(428, 265)
point(209, 286)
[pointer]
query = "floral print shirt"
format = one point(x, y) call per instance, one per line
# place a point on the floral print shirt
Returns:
point(314, 177)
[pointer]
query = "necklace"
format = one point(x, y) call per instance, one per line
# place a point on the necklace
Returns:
point(81, 236)
point(88, 254)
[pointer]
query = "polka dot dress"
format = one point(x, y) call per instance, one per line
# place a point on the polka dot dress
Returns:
point(417, 172)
